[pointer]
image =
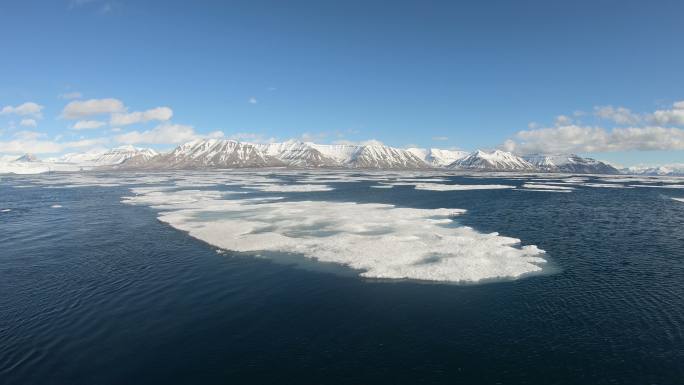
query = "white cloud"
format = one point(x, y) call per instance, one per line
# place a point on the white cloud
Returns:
point(251, 137)
point(252, 100)
point(29, 135)
point(82, 108)
point(370, 142)
point(563, 120)
point(440, 138)
point(165, 133)
point(26, 109)
point(673, 116)
point(87, 125)
point(619, 115)
point(20, 146)
point(31, 142)
point(215, 135)
point(28, 123)
point(124, 119)
point(573, 138)
point(70, 95)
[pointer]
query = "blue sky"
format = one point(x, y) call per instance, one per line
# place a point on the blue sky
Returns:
point(579, 76)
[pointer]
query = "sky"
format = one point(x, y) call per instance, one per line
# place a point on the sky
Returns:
point(598, 78)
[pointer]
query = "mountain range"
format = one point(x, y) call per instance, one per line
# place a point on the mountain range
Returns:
point(222, 153)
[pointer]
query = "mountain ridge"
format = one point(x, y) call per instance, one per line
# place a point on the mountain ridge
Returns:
point(226, 153)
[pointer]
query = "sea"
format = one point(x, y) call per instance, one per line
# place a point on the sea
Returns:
point(274, 276)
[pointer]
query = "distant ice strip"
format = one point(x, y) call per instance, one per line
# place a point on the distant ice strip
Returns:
point(455, 187)
point(679, 199)
point(382, 241)
point(661, 186)
point(546, 187)
point(604, 185)
point(291, 187)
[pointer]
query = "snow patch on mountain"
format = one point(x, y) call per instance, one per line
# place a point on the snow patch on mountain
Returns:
point(207, 153)
point(298, 154)
point(675, 169)
point(492, 161)
point(370, 156)
point(569, 164)
point(436, 157)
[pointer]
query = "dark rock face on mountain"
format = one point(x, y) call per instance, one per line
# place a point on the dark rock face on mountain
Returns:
point(570, 164)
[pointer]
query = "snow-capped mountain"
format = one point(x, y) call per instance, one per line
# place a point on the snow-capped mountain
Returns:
point(370, 156)
point(107, 157)
point(298, 154)
point(30, 164)
point(436, 157)
point(27, 158)
point(492, 161)
point(219, 153)
point(208, 153)
point(569, 164)
point(676, 169)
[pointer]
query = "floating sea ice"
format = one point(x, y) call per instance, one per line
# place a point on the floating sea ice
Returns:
point(455, 187)
point(546, 187)
point(604, 185)
point(661, 186)
point(291, 187)
point(382, 241)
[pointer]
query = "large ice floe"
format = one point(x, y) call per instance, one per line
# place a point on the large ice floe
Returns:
point(546, 187)
point(379, 240)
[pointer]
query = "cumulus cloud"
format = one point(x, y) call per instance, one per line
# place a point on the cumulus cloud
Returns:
point(20, 146)
point(370, 142)
point(562, 120)
point(27, 109)
point(28, 123)
point(125, 119)
point(82, 108)
point(619, 115)
point(574, 138)
point(674, 116)
point(165, 133)
point(34, 142)
point(251, 137)
point(87, 125)
point(29, 135)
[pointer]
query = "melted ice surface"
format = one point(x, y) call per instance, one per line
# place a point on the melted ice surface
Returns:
point(380, 240)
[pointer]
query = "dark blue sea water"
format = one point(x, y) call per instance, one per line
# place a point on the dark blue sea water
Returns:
point(100, 292)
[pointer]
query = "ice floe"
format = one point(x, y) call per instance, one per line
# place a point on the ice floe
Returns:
point(455, 187)
point(379, 240)
point(659, 186)
point(546, 187)
point(291, 187)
